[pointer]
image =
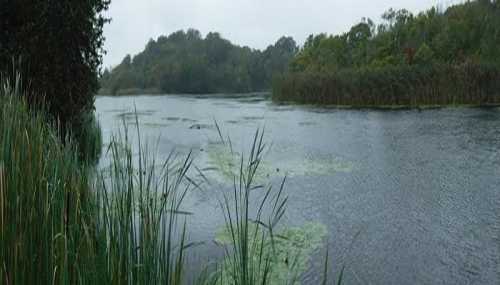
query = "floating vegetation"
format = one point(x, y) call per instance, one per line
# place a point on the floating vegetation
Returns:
point(253, 118)
point(132, 115)
point(172, 119)
point(292, 249)
point(186, 120)
point(226, 162)
point(307, 123)
point(155, 125)
point(201, 127)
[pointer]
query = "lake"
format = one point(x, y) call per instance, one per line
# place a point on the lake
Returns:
point(406, 196)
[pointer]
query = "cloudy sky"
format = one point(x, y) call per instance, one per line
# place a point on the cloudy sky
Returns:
point(254, 23)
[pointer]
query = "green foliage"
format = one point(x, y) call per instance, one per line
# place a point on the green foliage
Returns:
point(424, 55)
point(59, 44)
point(469, 30)
point(376, 65)
point(88, 137)
point(44, 198)
point(184, 62)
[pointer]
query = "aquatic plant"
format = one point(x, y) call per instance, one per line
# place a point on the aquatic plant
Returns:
point(44, 198)
point(291, 250)
point(88, 137)
point(64, 222)
point(402, 85)
point(61, 222)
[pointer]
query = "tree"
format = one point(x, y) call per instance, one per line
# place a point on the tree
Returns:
point(60, 46)
point(424, 55)
point(185, 62)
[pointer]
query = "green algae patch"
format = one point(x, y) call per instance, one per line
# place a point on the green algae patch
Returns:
point(226, 163)
point(155, 125)
point(289, 251)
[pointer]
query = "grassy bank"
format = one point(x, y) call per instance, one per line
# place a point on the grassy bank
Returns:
point(64, 222)
point(44, 198)
point(401, 86)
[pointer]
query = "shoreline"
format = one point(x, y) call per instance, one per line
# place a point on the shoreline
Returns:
point(268, 96)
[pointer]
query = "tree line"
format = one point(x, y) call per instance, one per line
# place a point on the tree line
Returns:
point(187, 62)
point(399, 57)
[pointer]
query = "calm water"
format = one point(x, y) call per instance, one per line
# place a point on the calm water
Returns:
point(422, 189)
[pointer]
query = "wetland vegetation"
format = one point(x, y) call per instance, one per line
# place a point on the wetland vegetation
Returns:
point(81, 207)
point(62, 221)
point(438, 57)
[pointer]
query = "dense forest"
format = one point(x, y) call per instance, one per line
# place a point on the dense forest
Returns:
point(185, 62)
point(440, 56)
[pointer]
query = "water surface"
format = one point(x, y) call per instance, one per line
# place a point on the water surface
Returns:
point(420, 191)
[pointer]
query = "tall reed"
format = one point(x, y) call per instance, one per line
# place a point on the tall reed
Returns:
point(140, 218)
point(411, 86)
point(249, 258)
point(64, 222)
point(44, 194)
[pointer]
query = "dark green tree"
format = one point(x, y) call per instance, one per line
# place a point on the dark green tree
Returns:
point(185, 62)
point(59, 47)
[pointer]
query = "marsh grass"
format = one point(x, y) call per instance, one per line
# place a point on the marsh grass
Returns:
point(248, 261)
point(88, 138)
point(258, 249)
point(412, 86)
point(44, 197)
point(139, 215)
point(62, 221)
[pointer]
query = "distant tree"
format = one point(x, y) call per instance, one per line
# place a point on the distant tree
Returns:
point(185, 62)
point(424, 55)
point(466, 31)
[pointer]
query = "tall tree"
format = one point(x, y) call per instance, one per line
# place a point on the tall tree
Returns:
point(59, 45)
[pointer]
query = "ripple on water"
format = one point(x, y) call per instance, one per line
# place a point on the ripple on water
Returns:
point(426, 184)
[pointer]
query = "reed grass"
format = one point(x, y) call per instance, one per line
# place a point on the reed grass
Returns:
point(64, 222)
point(88, 138)
point(249, 259)
point(403, 86)
point(44, 195)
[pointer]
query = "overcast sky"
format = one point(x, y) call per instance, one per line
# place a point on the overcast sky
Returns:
point(254, 23)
